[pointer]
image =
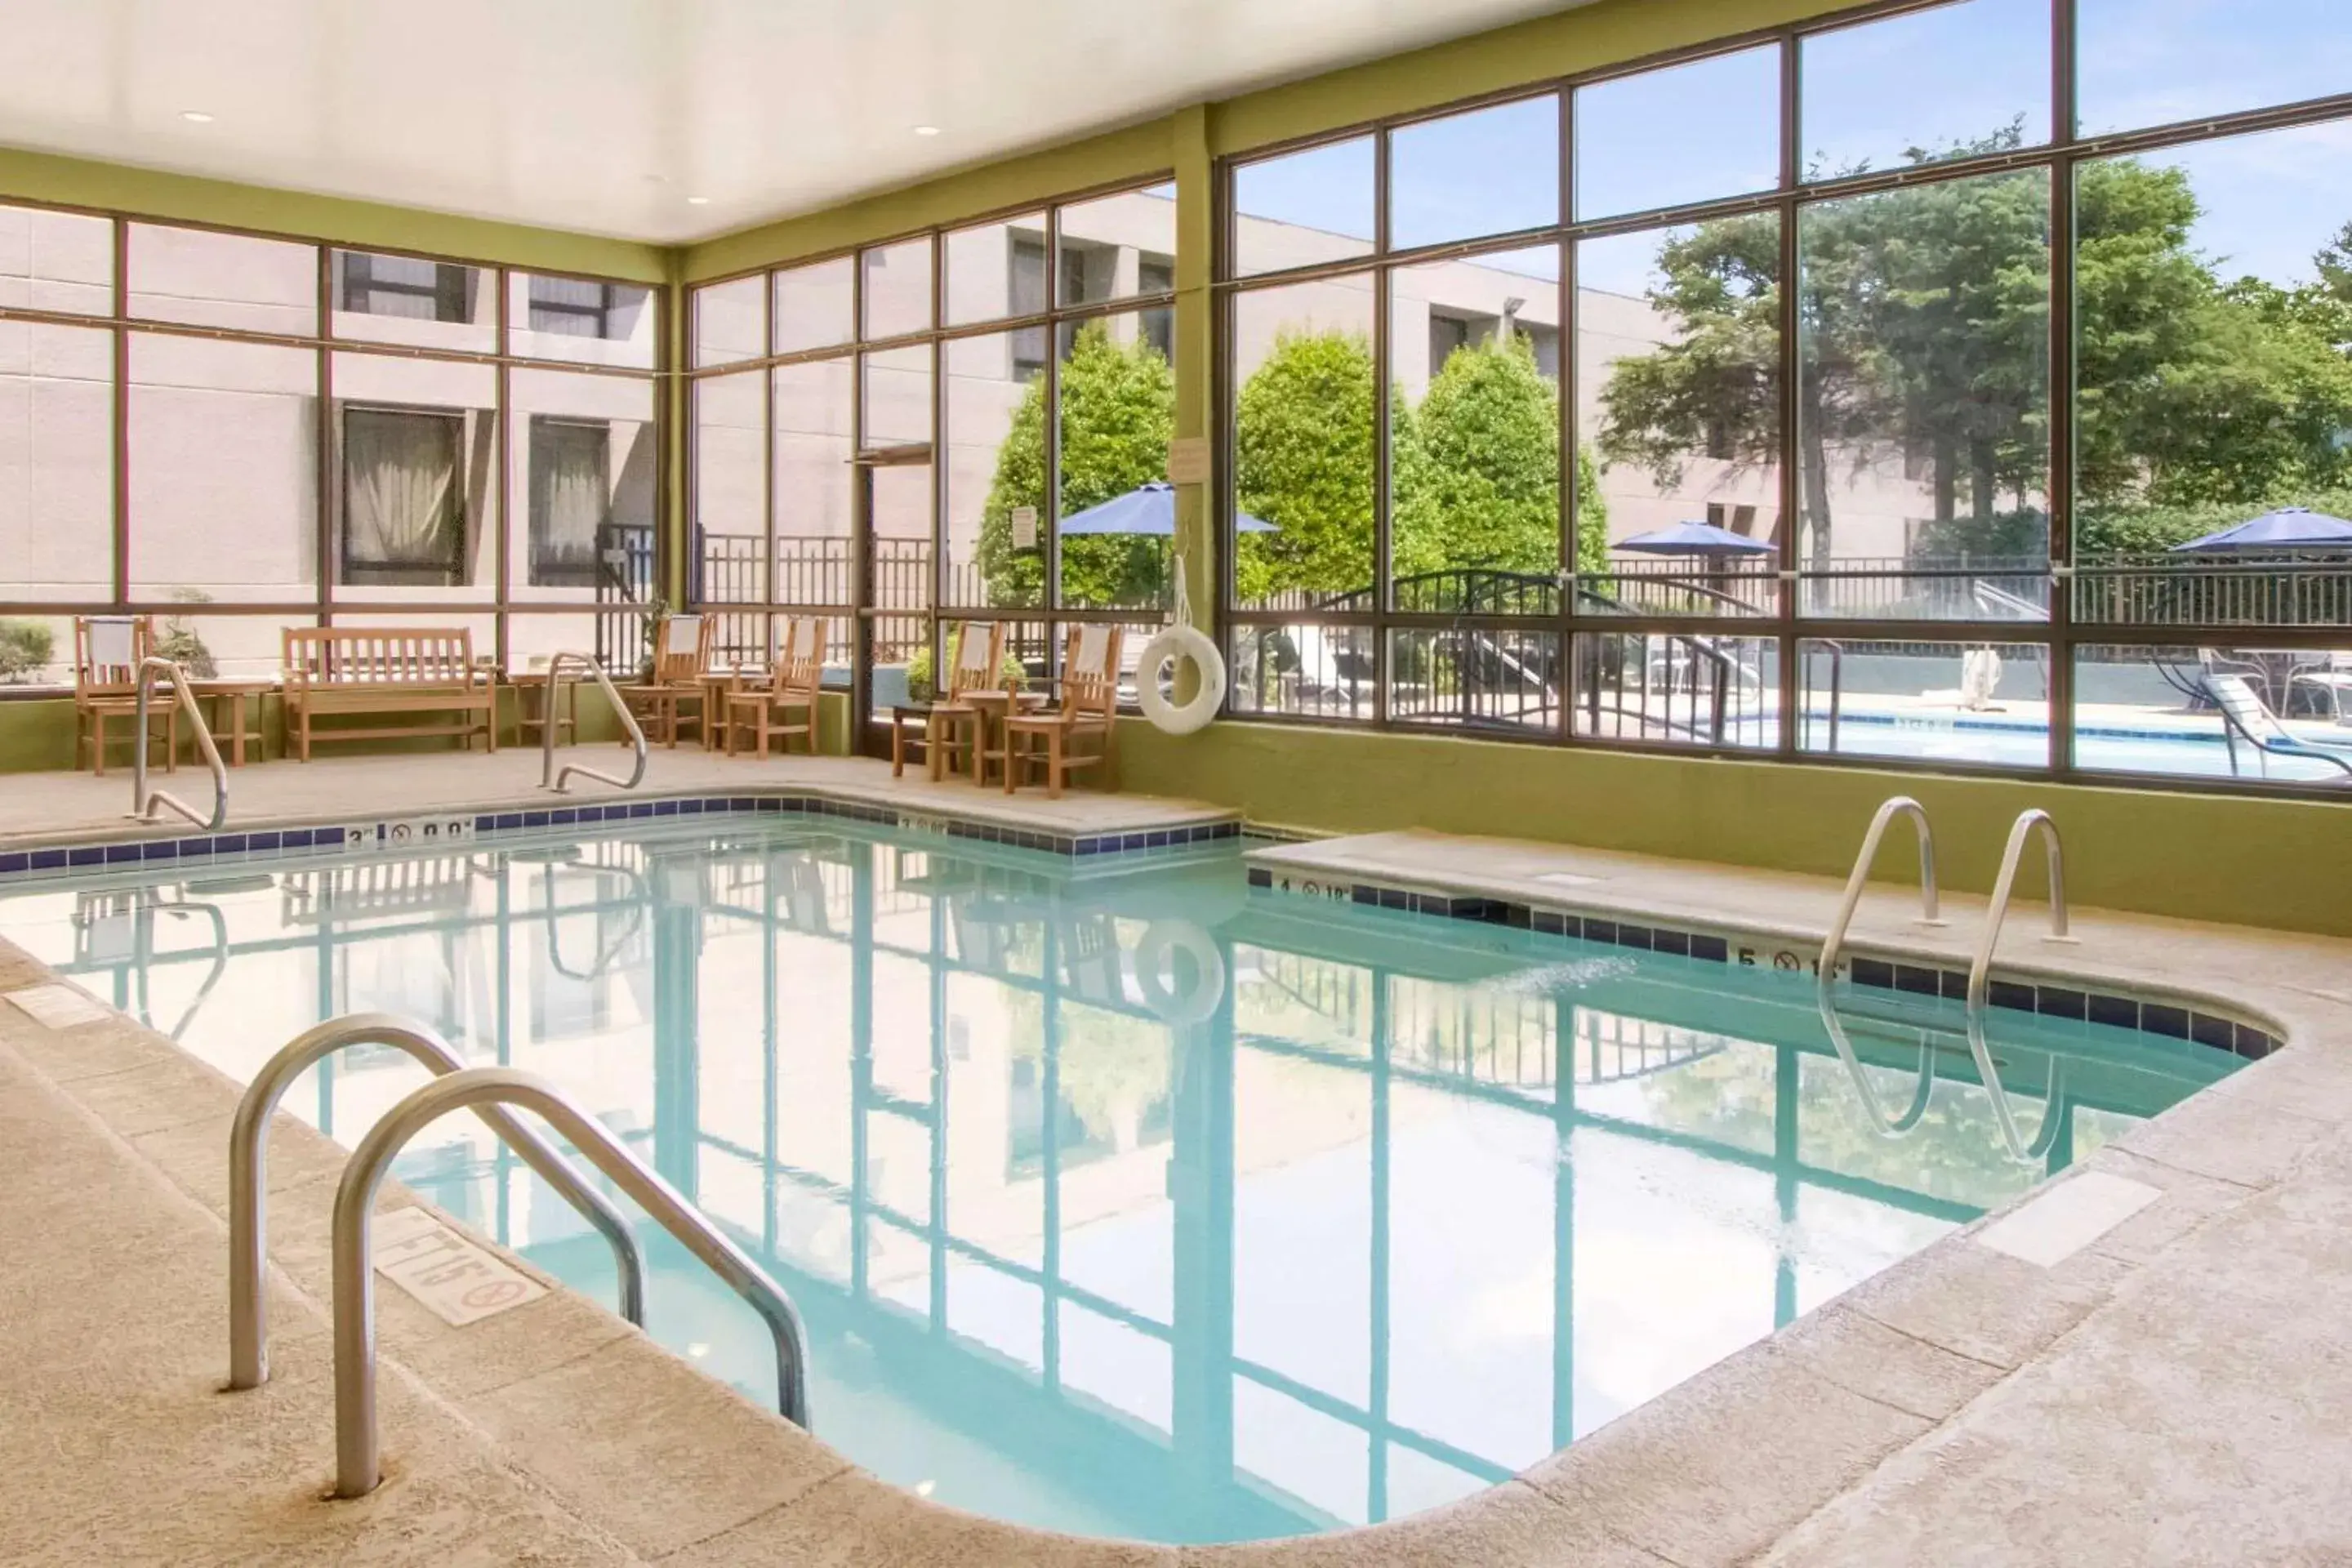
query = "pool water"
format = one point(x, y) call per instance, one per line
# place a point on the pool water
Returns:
point(1121, 1197)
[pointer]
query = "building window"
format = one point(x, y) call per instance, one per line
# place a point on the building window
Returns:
point(403, 505)
point(572, 307)
point(1157, 275)
point(571, 499)
point(1027, 297)
point(405, 285)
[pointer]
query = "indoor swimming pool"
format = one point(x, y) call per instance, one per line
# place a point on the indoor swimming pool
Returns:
point(1121, 1196)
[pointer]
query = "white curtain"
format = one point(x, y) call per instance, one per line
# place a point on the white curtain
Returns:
point(402, 474)
point(575, 493)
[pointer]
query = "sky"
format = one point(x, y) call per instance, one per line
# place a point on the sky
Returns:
point(1710, 128)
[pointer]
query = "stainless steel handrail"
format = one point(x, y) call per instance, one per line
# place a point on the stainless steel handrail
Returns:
point(2046, 1133)
point(249, 1322)
point(1920, 1096)
point(1854, 883)
point(143, 804)
point(1981, 971)
point(550, 779)
point(358, 1467)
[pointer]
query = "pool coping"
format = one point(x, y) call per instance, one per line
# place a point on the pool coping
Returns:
point(1766, 1437)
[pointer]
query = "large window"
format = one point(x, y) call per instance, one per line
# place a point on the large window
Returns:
point(960, 394)
point(1833, 417)
point(242, 433)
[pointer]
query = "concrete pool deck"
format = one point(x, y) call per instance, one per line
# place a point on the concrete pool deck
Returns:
point(2167, 1388)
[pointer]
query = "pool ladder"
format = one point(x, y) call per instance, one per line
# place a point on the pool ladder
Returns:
point(358, 1467)
point(549, 778)
point(145, 803)
point(1980, 985)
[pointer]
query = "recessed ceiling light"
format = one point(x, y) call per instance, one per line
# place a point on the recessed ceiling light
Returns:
point(698, 200)
point(195, 117)
point(927, 131)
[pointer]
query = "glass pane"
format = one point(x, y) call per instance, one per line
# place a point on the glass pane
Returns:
point(579, 318)
point(1864, 108)
point(1673, 689)
point(813, 306)
point(581, 490)
point(1117, 413)
point(2245, 713)
point(1986, 703)
point(898, 413)
point(1678, 381)
point(1687, 134)
point(412, 300)
point(898, 288)
point(1304, 207)
point(223, 280)
point(222, 645)
point(415, 505)
point(996, 269)
point(1476, 679)
point(57, 471)
point(535, 639)
point(1924, 401)
point(1302, 669)
point(2210, 290)
point(813, 483)
point(1303, 445)
point(2155, 62)
point(56, 261)
point(223, 471)
point(1474, 438)
point(1117, 246)
point(1492, 171)
point(729, 488)
point(729, 322)
point(996, 472)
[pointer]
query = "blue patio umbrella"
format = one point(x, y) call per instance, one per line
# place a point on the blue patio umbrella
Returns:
point(1145, 511)
point(2288, 528)
point(1695, 538)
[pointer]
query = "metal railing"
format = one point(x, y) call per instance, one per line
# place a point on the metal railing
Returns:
point(1928, 908)
point(358, 1460)
point(1981, 971)
point(550, 779)
point(248, 1246)
point(143, 804)
point(2052, 1117)
point(1884, 1125)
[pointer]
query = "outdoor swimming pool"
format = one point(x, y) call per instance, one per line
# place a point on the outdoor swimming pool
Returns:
point(1122, 1198)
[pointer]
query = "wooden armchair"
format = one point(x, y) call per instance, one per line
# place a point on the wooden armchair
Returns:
point(795, 681)
point(106, 651)
point(1090, 706)
point(681, 660)
point(952, 724)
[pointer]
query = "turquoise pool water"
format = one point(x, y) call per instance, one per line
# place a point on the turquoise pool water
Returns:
point(1121, 1197)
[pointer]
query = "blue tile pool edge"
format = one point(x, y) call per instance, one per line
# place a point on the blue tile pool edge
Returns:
point(2175, 1017)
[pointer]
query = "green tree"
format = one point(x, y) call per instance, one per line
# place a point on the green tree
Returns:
point(1303, 462)
point(1118, 413)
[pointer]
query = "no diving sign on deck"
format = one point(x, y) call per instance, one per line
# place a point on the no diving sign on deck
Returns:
point(458, 1282)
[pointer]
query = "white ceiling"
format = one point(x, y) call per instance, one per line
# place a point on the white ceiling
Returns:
point(604, 116)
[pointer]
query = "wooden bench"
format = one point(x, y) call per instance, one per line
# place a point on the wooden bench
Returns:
point(367, 671)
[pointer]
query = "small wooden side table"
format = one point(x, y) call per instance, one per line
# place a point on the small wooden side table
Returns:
point(540, 697)
point(228, 697)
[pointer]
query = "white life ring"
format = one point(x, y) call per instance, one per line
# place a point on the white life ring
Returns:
point(1156, 977)
point(1177, 642)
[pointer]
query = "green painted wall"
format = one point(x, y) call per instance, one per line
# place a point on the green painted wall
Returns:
point(2285, 864)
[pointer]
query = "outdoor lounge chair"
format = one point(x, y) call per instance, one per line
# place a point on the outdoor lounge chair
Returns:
point(2246, 717)
point(2330, 679)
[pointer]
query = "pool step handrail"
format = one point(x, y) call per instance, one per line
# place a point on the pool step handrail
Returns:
point(2054, 1120)
point(248, 1332)
point(358, 1458)
point(2027, 821)
point(1922, 1092)
point(143, 803)
point(1929, 909)
point(549, 778)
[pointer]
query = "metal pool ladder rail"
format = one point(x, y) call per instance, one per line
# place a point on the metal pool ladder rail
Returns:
point(143, 804)
point(248, 1324)
point(1981, 971)
point(550, 779)
point(358, 1461)
point(1901, 804)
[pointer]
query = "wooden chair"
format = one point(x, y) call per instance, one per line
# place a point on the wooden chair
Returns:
point(106, 651)
point(795, 681)
point(1090, 706)
point(681, 662)
point(953, 724)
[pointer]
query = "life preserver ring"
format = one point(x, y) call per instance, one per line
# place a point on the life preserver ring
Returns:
point(1155, 976)
point(1176, 642)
